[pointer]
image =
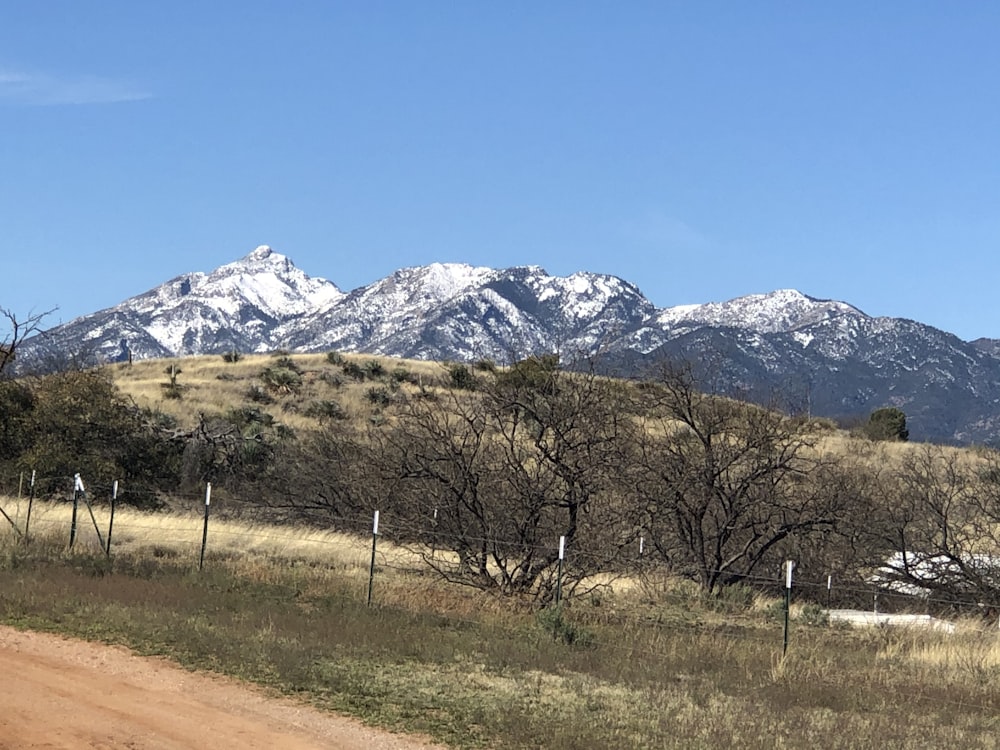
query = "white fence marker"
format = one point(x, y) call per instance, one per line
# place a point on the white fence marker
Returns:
point(562, 554)
point(111, 521)
point(371, 568)
point(788, 600)
point(204, 532)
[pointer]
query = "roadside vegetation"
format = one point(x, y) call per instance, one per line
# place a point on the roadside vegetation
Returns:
point(652, 662)
point(563, 559)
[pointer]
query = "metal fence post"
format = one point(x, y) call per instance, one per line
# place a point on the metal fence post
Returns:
point(204, 532)
point(371, 568)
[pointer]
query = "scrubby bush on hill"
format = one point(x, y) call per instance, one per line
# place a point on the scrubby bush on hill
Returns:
point(78, 421)
point(888, 423)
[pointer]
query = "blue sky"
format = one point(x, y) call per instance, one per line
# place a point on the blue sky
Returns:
point(702, 150)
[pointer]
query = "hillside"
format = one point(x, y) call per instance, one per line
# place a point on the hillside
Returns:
point(210, 384)
point(490, 462)
point(810, 356)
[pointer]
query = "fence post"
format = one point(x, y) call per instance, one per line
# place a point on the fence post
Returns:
point(10, 521)
point(204, 532)
point(562, 551)
point(788, 601)
point(371, 568)
point(93, 518)
point(829, 589)
point(434, 533)
point(111, 521)
point(31, 500)
point(78, 489)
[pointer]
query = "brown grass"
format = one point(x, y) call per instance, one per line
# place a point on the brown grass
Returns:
point(649, 665)
point(211, 385)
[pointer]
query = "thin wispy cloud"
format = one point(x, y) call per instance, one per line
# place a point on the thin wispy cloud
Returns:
point(42, 89)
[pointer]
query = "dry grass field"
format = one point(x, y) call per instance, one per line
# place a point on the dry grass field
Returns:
point(648, 664)
point(211, 384)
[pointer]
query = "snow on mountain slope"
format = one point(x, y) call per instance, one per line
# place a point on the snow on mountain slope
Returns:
point(825, 353)
point(783, 310)
point(236, 306)
point(270, 282)
point(251, 295)
point(373, 313)
point(480, 312)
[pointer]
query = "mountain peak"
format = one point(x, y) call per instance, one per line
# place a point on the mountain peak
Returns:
point(261, 257)
point(782, 310)
point(826, 353)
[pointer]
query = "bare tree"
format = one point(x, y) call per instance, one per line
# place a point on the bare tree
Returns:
point(724, 483)
point(496, 477)
point(17, 330)
point(943, 525)
point(329, 477)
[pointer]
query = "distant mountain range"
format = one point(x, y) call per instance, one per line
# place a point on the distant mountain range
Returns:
point(823, 357)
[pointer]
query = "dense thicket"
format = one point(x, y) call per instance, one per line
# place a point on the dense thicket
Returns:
point(78, 422)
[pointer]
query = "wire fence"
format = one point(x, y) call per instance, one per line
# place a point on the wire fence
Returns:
point(93, 520)
point(200, 540)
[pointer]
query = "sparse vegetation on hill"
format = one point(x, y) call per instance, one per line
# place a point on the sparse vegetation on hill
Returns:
point(675, 511)
point(498, 466)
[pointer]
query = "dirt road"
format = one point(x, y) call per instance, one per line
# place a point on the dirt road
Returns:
point(60, 693)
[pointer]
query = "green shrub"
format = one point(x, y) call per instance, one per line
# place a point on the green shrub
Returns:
point(462, 378)
point(259, 395)
point(327, 409)
point(374, 369)
point(172, 389)
point(554, 622)
point(813, 615)
point(282, 379)
point(378, 396)
point(333, 379)
point(888, 423)
point(400, 374)
point(354, 371)
point(287, 363)
point(246, 416)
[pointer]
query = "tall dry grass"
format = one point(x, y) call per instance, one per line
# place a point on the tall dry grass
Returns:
point(208, 384)
point(179, 536)
point(646, 666)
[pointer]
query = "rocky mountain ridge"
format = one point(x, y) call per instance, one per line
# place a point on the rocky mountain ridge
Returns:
point(810, 355)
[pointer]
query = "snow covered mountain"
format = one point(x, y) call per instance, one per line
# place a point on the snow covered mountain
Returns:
point(458, 312)
point(819, 356)
point(236, 306)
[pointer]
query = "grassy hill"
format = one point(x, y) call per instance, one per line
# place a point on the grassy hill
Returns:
point(212, 384)
point(646, 659)
point(208, 384)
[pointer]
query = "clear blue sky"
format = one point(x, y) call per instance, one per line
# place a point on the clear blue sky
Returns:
point(702, 150)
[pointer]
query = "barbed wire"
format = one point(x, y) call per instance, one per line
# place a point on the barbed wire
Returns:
point(441, 543)
point(733, 632)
